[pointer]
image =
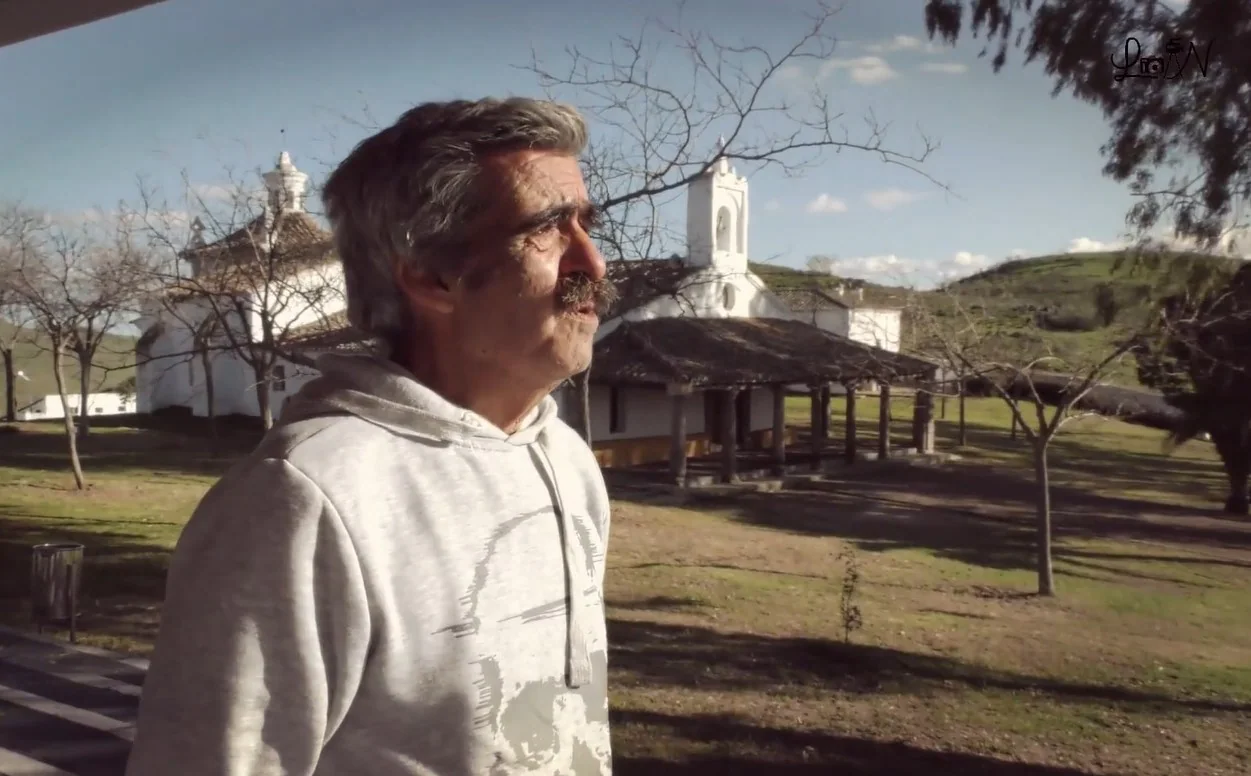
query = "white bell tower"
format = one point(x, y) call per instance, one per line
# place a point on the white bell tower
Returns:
point(716, 217)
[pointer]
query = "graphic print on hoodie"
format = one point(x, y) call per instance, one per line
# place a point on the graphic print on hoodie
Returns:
point(389, 585)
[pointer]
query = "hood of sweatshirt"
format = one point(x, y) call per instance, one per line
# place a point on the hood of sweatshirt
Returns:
point(387, 395)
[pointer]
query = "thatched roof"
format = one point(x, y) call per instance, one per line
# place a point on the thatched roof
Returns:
point(332, 332)
point(241, 260)
point(639, 281)
point(803, 300)
point(721, 352)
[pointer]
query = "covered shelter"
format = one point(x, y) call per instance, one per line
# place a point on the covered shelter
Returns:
point(26, 19)
point(725, 359)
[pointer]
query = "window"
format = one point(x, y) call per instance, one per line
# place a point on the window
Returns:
point(727, 296)
point(279, 382)
point(723, 228)
point(616, 410)
point(98, 410)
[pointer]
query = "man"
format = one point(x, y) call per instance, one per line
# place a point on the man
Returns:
point(406, 576)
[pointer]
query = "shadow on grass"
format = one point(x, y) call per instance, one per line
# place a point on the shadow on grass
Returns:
point(123, 577)
point(852, 512)
point(1107, 470)
point(703, 660)
point(832, 754)
point(179, 445)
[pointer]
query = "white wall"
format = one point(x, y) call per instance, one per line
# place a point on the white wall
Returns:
point(717, 219)
point(649, 412)
point(50, 406)
point(172, 377)
point(311, 295)
point(880, 328)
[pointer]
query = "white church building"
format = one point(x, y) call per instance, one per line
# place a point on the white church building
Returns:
point(703, 327)
point(275, 276)
point(707, 328)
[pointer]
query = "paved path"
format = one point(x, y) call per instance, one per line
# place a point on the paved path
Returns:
point(65, 710)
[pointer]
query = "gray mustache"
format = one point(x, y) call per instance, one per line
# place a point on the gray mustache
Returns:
point(578, 290)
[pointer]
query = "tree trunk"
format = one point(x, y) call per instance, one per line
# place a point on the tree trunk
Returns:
point(10, 386)
point(1046, 579)
point(963, 438)
point(1234, 448)
point(58, 370)
point(262, 401)
point(84, 390)
point(210, 401)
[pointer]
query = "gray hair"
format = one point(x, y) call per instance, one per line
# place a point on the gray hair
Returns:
point(409, 193)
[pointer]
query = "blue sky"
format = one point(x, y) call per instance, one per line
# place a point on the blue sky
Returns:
point(209, 87)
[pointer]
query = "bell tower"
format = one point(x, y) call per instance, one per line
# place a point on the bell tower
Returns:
point(716, 217)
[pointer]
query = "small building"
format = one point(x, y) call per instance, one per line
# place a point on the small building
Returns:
point(50, 407)
point(275, 276)
point(845, 313)
point(698, 352)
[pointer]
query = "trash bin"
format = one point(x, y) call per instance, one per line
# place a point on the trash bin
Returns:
point(55, 581)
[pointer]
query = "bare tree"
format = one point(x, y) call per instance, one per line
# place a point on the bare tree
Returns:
point(116, 271)
point(246, 277)
point(660, 99)
point(75, 284)
point(11, 309)
point(985, 339)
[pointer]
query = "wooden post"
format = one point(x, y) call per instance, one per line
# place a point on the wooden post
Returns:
point(779, 427)
point(729, 436)
point(923, 418)
point(883, 422)
point(677, 438)
point(825, 413)
point(815, 436)
point(849, 438)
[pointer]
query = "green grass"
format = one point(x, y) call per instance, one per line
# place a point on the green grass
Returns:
point(727, 647)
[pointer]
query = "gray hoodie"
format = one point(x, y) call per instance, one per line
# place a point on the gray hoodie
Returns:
point(389, 585)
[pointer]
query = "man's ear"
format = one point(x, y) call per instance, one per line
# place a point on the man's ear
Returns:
point(424, 289)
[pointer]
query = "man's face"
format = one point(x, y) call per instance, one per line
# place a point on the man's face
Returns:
point(527, 304)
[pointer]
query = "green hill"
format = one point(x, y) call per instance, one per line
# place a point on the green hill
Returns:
point(33, 358)
point(1042, 304)
point(781, 278)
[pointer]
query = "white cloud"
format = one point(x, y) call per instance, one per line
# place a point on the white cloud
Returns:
point(900, 43)
point(884, 267)
point(863, 70)
point(772, 205)
point(892, 269)
point(215, 192)
point(1234, 241)
point(827, 204)
point(1087, 245)
point(95, 219)
point(970, 262)
point(889, 199)
point(790, 73)
point(950, 68)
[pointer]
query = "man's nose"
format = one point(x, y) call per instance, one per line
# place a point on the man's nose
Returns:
point(582, 255)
